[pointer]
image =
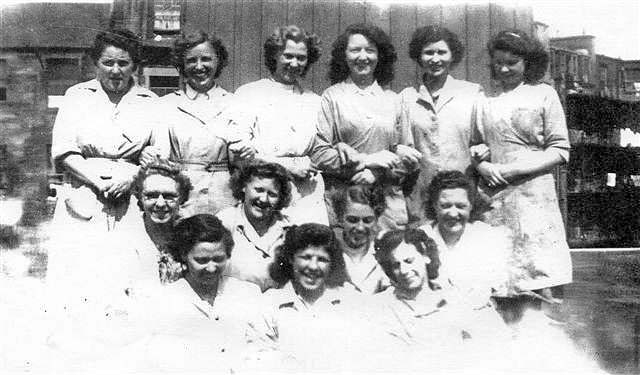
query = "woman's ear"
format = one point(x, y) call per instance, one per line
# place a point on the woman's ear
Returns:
point(427, 260)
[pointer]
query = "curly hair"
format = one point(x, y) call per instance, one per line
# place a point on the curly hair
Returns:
point(199, 228)
point(448, 180)
point(424, 244)
point(262, 169)
point(372, 196)
point(426, 35)
point(120, 38)
point(277, 41)
point(301, 237)
point(536, 58)
point(183, 44)
point(338, 69)
point(166, 168)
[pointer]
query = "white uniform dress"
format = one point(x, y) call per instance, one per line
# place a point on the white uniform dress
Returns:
point(283, 120)
point(85, 230)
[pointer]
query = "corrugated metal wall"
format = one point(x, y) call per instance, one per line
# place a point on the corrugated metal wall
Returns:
point(243, 25)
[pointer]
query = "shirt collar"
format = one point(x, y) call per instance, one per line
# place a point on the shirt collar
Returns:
point(135, 90)
point(295, 88)
point(426, 303)
point(374, 89)
point(192, 94)
point(288, 298)
point(368, 260)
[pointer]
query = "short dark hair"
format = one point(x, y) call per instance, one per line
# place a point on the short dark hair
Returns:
point(166, 168)
point(536, 58)
point(262, 169)
point(423, 243)
point(276, 42)
point(448, 180)
point(199, 228)
point(120, 38)
point(299, 238)
point(372, 196)
point(183, 44)
point(431, 34)
point(338, 69)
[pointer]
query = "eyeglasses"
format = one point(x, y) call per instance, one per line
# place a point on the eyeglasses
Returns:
point(167, 197)
point(367, 220)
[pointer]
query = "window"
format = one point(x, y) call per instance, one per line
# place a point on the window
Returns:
point(163, 85)
point(61, 74)
point(167, 16)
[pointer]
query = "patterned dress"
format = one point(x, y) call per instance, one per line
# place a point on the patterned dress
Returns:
point(516, 125)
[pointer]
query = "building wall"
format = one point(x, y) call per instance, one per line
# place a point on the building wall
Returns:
point(243, 25)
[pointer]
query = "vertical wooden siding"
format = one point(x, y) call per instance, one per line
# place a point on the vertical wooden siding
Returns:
point(243, 25)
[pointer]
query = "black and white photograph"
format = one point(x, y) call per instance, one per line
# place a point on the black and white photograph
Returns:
point(319, 186)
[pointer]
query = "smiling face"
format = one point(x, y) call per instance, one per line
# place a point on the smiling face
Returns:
point(311, 268)
point(291, 62)
point(261, 197)
point(359, 225)
point(453, 209)
point(508, 68)
point(205, 263)
point(435, 59)
point(362, 57)
point(200, 65)
point(160, 198)
point(408, 267)
point(114, 69)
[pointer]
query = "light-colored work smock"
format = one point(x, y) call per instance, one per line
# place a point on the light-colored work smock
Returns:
point(367, 275)
point(196, 132)
point(441, 130)
point(252, 253)
point(323, 337)
point(84, 228)
point(368, 120)
point(515, 125)
point(477, 265)
point(283, 121)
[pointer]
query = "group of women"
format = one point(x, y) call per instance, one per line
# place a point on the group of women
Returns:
point(331, 225)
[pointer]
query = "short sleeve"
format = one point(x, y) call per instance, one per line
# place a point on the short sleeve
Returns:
point(555, 126)
point(65, 129)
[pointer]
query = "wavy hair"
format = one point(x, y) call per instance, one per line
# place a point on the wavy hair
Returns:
point(199, 228)
point(121, 38)
point(301, 237)
point(262, 169)
point(166, 168)
point(371, 196)
point(536, 58)
point(426, 35)
point(277, 41)
point(183, 44)
point(448, 180)
point(338, 68)
point(424, 244)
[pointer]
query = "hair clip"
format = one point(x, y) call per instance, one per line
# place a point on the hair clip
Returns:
point(513, 34)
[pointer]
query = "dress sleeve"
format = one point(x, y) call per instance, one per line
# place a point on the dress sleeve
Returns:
point(556, 135)
point(477, 126)
point(160, 138)
point(65, 129)
point(323, 153)
point(405, 131)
